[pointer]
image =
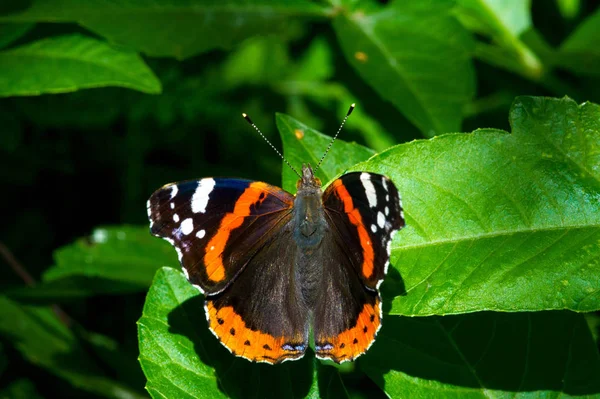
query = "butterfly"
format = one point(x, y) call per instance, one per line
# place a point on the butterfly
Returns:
point(273, 266)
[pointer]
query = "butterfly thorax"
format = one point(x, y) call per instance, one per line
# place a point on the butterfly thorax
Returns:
point(308, 211)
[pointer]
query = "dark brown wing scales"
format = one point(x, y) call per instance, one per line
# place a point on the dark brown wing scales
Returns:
point(203, 218)
point(347, 315)
point(263, 317)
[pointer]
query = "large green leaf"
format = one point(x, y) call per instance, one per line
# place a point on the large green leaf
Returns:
point(68, 63)
point(44, 341)
point(172, 28)
point(581, 51)
point(415, 55)
point(485, 355)
point(496, 221)
point(129, 255)
point(182, 359)
point(301, 145)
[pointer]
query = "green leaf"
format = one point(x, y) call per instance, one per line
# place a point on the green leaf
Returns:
point(495, 221)
point(68, 63)
point(569, 9)
point(504, 21)
point(499, 19)
point(71, 288)
point(182, 359)
point(581, 51)
point(44, 341)
point(129, 255)
point(173, 28)
point(20, 389)
point(415, 55)
point(302, 144)
point(485, 355)
point(498, 221)
point(11, 32)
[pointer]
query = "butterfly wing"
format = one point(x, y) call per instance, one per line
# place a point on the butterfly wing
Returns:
point(364, 211)
point(216, 225)
point(347, 314)
point(263, 317)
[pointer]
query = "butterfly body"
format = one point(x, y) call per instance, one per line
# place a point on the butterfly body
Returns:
point(273, 266)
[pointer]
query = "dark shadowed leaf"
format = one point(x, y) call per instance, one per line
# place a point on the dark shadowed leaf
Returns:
point(129, 255)
point(11, 32)
point(581, 51)
point(44, 341)
point(415, 55)
point(173, 28)
point(69, 63)
point(181, 358)
point(485, 355)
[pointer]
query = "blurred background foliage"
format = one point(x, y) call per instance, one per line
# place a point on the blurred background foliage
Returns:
point(165, 83)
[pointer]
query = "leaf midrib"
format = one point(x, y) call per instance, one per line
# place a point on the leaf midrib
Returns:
point(499, 233)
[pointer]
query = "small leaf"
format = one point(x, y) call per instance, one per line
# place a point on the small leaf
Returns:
point(129, 255)
point(46, 342)
point(415, 55)
point(581, 51)
point(182, 359)
point(11, 32)
point(485, 355)
point(173, 28)
point(68, 63)
point(302, 144)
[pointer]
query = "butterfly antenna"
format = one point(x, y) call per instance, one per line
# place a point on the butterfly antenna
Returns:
point(247, 118)
point(334, 137)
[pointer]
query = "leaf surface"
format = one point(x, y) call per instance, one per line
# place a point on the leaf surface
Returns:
point(69, 63)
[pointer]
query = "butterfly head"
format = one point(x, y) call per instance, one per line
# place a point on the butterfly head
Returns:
point(308, 179)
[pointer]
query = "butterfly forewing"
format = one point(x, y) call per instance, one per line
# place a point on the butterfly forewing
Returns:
point(364, 211)
point(205, 220)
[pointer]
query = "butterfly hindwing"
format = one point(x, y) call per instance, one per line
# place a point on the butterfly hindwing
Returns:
point(262, 316)
point(364, 211)
point(216, 224)
point(347, 314)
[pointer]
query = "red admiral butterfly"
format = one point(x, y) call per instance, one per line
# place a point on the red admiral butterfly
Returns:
point(273, 265)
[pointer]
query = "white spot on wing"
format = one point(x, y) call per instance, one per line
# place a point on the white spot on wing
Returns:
point(384, 183)
point(187, 226)
point(174, 191)
point(176, 218)
point(374, 228)
point(148, 208)
point(387, 211)
point(200, 197)
point(201, 234)
point(179, 253)
point(369, 189)
point(172, 205)
point(185, 273)
point(380, 219)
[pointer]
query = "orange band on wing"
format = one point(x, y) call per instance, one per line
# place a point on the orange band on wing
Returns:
point(213, 259)
point(355, 341)
point(231, 330)
point(356, 220)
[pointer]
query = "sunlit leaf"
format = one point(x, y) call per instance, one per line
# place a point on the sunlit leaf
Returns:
point(580, 52)
point(68, 63)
